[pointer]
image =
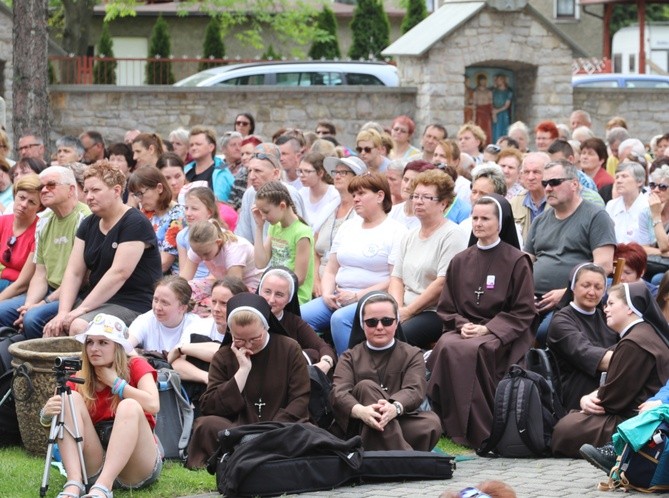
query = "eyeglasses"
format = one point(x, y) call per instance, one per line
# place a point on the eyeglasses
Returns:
point(493, 149)
point(266, 157)
point(242, 123)
point(366, 150)
point(342, 172)
point(386, 321)
point(244, 342)
point(472, 493)
point(140, 195)
point(50, 186)
point(26, 147)
point(554, 182)
point(305, 172)
point(661, 186)
point(421, 197)
point(7, 255)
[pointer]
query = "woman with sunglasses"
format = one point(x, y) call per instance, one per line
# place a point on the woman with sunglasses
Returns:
point(488, 312)
point(659, 213)
point(258, 375)
point(17, 237)
point(379, 384)
point(245, 124)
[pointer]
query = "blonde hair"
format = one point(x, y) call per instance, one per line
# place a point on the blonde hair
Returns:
point(88, 390)
point(206, 232)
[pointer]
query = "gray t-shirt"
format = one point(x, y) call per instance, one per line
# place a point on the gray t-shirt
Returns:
point(559, 245)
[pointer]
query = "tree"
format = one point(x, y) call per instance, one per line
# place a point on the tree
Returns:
point(104, 72)
point(624, 15)
point(327, 45)
point(371, 30)
point(160, 47)
point(270, 54)
point(30, 97)
point(416, 12)
point(213, 43)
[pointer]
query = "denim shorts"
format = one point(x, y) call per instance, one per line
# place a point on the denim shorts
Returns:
point(150, 479)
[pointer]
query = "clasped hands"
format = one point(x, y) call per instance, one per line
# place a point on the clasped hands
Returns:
point(376, 415)
point(470, 330)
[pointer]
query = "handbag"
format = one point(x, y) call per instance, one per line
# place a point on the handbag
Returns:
point(104, 430)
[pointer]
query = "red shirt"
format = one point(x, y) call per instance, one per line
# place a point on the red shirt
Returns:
point(25, 244)
point(102, 410)
point(602, 178)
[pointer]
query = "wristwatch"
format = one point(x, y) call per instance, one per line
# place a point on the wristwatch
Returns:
point(398, 407)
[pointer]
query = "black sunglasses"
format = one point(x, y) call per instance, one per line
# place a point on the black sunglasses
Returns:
point(554, 182)
point(367, 150)
point(7, 255)
point(661, 186)
point(386, 321)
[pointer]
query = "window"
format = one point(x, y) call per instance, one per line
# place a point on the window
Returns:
point(255, 79)
point(566, 9)
point(362, 79)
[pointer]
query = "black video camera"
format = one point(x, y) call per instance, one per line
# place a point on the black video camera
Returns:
point(68, 363)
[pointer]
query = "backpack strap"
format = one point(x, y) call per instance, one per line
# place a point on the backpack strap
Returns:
point(500, 416)
point(173, 379)
point(522, 408)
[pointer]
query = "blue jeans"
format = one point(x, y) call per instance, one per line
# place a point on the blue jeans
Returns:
point(321, 318)
point(33, 321)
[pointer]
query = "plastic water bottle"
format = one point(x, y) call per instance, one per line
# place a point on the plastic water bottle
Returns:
point(56, 453)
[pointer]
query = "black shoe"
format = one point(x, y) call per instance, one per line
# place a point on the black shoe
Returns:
point(603, 458)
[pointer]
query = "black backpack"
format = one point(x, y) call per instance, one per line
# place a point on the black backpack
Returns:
point(526, 410)
point(543, 362)
point(320, 407)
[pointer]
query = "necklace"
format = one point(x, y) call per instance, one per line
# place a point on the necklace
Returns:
point(262, 366)
point(479, 292)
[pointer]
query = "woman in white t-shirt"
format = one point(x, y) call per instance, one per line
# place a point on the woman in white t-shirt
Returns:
point(161, 328)
point(361, 260)
point(319, 195)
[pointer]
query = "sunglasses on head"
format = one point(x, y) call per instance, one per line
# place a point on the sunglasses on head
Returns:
point(661, 186)
point(7, 255)
point(554, 182)
point(386, 321)
point(366, 150)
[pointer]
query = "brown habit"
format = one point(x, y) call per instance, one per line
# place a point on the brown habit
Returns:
point(639, 368)
point(358, 378)
point(277, 387)
point(465, 372)
point(312, 345)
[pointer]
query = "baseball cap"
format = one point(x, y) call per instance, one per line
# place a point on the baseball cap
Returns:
point(108, 326)
point(355, 164)
point(268, 152)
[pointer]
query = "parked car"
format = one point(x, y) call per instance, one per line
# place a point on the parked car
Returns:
point(617, 80)
point(309, 73)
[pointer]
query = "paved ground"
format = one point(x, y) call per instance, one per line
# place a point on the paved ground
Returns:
point(530, 478)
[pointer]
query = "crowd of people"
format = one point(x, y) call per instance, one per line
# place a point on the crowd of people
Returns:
point(412, 274)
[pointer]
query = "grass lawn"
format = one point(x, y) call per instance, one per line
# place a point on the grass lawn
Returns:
point(22, 476)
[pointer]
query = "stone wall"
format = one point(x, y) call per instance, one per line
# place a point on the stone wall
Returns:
point(6, 66)
point(517, 41)
point(644, 110)
point(113, 110)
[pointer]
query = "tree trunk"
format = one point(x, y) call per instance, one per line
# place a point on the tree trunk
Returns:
point(30, 86)
point(77, 30)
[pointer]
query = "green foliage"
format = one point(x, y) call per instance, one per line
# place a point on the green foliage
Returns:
point(104, 72)
point(270, 54)
point(416, 12)
point(213, 44)
point(22, 475)
point(371, 30)
point(160, 72)
point(326, 46)
point(625, 15)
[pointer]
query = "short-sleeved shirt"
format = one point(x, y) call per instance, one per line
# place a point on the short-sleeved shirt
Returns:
point(102, 410)
point(364, 254)
point(634, 224)
point(155, 336)
point(421, 261)
point(284, 250)
point(233, 253)
point(182, 241)
point(136, 293)
point(559, 245)
point(54, 238)
point(167, 226)
point(22, 247)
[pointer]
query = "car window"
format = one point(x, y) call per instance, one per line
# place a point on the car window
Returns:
point(362, 79)
point(646, 84)
point(598, 84)
point(254, 79)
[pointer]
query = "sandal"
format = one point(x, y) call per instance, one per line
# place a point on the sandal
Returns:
point(67, 494)
point(106, 493)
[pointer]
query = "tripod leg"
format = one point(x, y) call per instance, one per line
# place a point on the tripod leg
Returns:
point(53, 434)
point(79, 440)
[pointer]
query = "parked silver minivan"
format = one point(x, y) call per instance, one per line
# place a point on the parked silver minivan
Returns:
point(305, 73)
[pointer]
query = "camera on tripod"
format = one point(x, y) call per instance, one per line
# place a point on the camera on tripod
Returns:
point(67, 363)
